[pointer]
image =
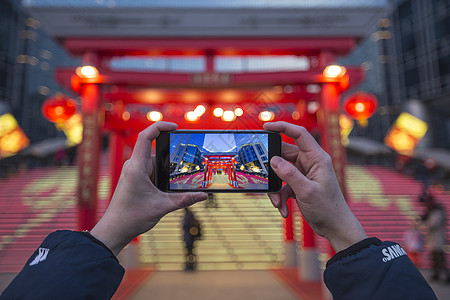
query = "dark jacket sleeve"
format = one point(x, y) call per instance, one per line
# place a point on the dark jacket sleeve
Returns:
point(372, 269)
point(68, 265)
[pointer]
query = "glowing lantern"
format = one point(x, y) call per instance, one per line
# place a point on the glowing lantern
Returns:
point(73, 129)
point(12, 137)
point(346, 125)
point(228, 116)
point(200, 110)
point(361, 105)
point(405, 134)
point(59, 108)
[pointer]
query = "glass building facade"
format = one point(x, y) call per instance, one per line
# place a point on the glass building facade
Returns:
point(193, 155)
point(28, 58)
point(408, 59)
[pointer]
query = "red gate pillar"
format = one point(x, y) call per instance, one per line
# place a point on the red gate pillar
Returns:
point(116, 158)
point(235, 182)
point(205, 175)
point(330, 130)
point(89, 154)
point(308, 265)
point(330, 135)
point(290, 245)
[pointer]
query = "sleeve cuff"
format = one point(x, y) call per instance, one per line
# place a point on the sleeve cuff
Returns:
point(93, 239)
point(353, 249)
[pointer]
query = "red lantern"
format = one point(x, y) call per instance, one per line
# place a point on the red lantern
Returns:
point(59, 108)
point(361, 105)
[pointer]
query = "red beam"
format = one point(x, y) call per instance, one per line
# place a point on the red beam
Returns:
point(199, 46)
point(222, 96)
point(211, 81)
point(136, 119)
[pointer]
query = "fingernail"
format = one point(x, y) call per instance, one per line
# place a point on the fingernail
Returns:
point(275, 161)
point(201, 196)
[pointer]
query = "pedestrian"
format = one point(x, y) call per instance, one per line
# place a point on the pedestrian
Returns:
point(434, 220)
point(191, 233)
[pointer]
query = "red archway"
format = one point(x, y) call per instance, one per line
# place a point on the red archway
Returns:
point(120, 102)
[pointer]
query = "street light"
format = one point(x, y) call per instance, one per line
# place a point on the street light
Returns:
point(154, 116)
point(126, 115)
point(191, 116)
point(88, 72)
point(266, 116)
point(218, 112)
point(334, 71)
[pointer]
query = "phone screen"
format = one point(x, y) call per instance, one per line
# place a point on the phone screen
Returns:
point(219, 161)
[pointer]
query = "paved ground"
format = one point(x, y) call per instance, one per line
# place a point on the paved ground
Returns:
point(217, 285)
point(441, 289)
point(5, 279)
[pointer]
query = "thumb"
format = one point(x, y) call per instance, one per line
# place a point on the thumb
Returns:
point(182, 200)
point(288, 172)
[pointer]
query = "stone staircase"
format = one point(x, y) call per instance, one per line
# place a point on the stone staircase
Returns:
point(243, 232)
point(386, 201)
point(34, 203)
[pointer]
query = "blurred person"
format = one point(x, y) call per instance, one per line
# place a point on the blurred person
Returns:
point(60, 157)
point(414, 242)
point(424, 170)
point(82, 265)
point(434, 220)
point(191, 233)
point(211, 202)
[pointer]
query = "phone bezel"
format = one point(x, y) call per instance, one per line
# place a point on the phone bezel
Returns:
point(162, 161)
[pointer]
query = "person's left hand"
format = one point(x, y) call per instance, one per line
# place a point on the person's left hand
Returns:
point(137, 205)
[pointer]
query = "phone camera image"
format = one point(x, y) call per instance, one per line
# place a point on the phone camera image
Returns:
point(219, 161)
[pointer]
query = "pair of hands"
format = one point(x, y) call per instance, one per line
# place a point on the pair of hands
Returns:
point(137, 205)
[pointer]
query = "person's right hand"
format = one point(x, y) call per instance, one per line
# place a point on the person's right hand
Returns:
point(308, 171)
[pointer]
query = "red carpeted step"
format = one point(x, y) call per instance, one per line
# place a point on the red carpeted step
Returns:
point(34, 203)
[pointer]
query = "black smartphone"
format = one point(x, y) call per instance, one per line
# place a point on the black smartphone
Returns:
point(217, 161)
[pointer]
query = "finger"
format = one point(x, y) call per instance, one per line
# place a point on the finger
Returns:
point(280, 198)
point(182, 200)
point(303, 139)
point(288, 172)
point(142, 148)
point(289, 152)
point(277, 197)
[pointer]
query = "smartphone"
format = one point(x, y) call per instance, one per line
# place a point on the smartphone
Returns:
point(217, 161)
